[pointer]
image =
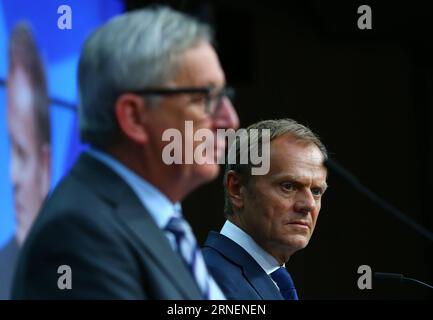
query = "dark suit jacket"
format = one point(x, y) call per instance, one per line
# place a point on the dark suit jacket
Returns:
point(94, 223)
point(239, 276)
point(8, 255)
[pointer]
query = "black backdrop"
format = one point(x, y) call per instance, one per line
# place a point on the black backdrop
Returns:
point(369, 95)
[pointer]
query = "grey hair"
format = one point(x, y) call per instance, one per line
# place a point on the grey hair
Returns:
point(277, 128)
point(133, 51)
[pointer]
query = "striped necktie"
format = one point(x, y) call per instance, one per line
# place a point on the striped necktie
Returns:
point(285, 283)
point(193, 258)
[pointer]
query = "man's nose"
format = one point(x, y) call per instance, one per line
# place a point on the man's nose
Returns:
point(305, 202)
point(14, 170)
point(226, 116)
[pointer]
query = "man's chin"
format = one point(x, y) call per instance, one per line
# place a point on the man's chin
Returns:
point(21, 216)
point(207, 172)
point(20, 235)
point(297, 242)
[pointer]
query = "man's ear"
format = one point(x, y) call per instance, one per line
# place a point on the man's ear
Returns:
point(235, 190)
point(130, 110)
point(45, 170)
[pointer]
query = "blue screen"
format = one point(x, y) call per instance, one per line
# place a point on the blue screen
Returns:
point(59, 50)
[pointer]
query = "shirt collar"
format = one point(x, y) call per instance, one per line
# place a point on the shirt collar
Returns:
point(263, 258)
point(159, 206)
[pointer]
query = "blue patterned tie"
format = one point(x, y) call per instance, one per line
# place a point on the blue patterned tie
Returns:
point(284, 281)
point(191, 254)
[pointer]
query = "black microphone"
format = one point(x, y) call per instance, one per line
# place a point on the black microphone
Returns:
point(400, 278)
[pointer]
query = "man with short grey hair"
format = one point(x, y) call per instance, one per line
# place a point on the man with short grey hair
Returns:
point(113, 228)
point(270, 216)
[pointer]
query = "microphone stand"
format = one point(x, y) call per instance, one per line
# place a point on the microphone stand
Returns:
point(347, 176)
point(401, 278)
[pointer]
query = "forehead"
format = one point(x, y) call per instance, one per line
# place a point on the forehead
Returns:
point(20, 103)
point(19, 93)
point(289, 156)
point(200, 66)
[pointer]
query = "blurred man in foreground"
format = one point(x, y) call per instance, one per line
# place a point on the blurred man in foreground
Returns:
point(113, 228)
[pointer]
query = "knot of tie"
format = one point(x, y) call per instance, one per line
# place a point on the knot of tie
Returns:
point(185, 240)
point(190, 252)
point(178, 227)
point(285, 283)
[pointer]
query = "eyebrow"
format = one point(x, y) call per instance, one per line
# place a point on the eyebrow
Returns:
point(323, 185)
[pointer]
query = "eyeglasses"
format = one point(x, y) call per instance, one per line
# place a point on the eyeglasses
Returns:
point(212, 97)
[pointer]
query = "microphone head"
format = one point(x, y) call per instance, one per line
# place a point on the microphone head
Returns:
point(388, 276)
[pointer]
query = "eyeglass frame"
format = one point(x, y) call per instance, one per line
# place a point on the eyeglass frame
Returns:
point(228, 92)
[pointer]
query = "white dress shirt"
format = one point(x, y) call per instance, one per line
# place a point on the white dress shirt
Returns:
point(268, 263)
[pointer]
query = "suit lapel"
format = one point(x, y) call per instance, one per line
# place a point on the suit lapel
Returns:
point(112, 189)
point(252, 271)
point(157, 247)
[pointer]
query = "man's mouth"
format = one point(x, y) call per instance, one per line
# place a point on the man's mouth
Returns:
point(301, 223)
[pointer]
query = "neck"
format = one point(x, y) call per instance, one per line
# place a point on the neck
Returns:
point(281, 254)
point(145, 164)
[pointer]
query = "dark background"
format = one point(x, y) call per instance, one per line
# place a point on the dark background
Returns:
point(369, 95)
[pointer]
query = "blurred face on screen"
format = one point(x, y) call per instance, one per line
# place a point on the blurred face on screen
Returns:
point(30, 159)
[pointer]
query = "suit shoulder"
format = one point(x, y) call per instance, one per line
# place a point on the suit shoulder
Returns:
point(219, 266)
point(73, 196)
